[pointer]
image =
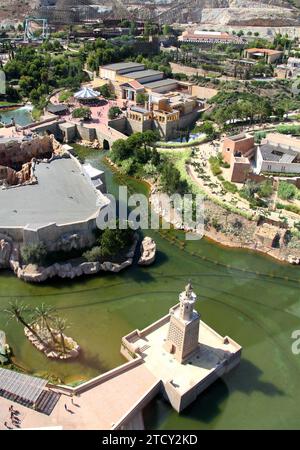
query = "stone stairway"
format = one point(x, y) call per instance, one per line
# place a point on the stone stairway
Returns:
point(47, 401)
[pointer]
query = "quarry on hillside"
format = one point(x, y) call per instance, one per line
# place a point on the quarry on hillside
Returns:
point(215, 12)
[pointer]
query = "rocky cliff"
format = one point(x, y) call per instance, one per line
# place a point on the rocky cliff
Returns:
point(233, 12)
point(253, 13)
point(215, 12)
point(15, 10)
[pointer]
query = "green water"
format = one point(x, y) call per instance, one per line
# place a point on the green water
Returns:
point(245, 295)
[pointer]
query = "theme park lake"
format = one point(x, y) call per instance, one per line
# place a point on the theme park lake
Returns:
point(21, 116)
point(250, 297)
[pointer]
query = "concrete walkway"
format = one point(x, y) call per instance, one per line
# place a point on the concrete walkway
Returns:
point(100, 407)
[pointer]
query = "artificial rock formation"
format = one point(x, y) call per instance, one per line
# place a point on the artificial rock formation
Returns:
point(5, 251)
point(37, 274)
point(11, 177)
point(25, 153)
point(148, 252)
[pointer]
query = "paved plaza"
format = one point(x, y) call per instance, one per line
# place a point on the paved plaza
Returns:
point(99, 407)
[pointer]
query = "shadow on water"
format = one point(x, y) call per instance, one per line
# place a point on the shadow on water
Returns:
point(209, 405)
point(92, 361)
point(245, 378)
point(204, 409)
point(161, 258)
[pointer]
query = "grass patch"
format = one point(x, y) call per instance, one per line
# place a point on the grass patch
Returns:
point(36, 114)
point(8, 104)
point(215, 165)
point(230, 187)
point(292, 208)
point(161, 144)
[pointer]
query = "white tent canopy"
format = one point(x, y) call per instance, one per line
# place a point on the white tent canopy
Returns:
point(86, 93)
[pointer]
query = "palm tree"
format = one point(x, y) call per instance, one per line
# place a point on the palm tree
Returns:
point(61, 326)
point(16, 311)
point(45, 314)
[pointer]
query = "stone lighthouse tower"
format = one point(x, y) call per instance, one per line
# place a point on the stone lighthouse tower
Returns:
point(183, 334)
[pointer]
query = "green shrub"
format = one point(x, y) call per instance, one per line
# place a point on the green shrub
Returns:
point(36, 114)
point(230, 187)
point(266, 189)
point(141, 98)
point(259, 135)
point(111, 243)
point(34, 253)
point(106, 91)
point(114, 112)
point(171, 181)
point(292, 208)
point(214, 162)
point(287, 191)
point(288, 129)
point(64, 96)
point(82, 113)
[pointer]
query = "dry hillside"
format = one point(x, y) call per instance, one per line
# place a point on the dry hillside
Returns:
point(215, 12)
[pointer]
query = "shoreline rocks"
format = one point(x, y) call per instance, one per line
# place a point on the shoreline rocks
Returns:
point(38, 274)
point(293, 260)
point(148, 252)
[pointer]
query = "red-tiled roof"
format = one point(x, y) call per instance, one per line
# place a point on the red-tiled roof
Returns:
point(268, 51)
point(134, 84)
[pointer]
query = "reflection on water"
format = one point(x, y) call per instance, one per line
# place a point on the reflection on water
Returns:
point(243, 294)
point(22, 116)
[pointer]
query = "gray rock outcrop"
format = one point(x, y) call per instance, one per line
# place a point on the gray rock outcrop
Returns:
point(5, 251)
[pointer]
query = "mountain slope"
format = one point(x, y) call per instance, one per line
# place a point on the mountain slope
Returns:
point(255, 13)
point(16, 9)
point(215, 12)
point(234, 12)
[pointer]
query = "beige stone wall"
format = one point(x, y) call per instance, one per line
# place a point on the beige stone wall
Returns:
point(203, 92)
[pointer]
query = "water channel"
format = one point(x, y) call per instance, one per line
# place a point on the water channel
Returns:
point(248, 296)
